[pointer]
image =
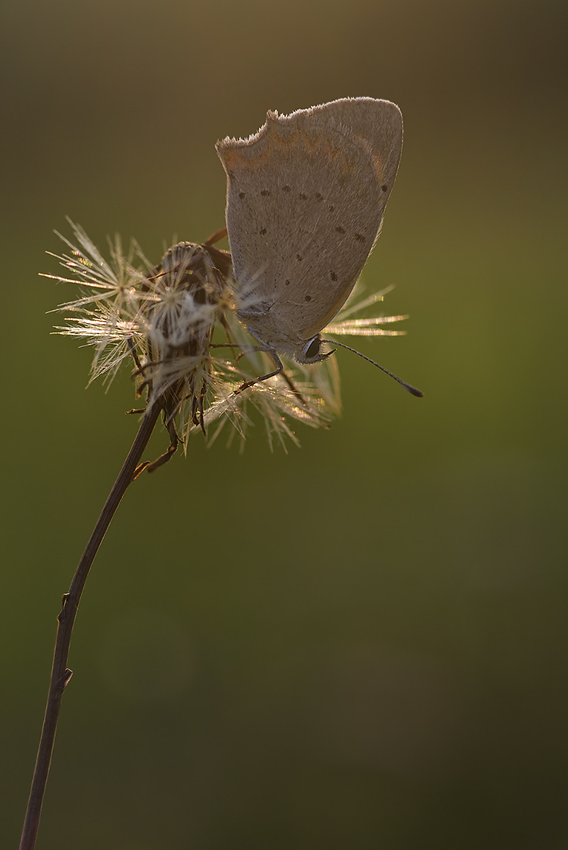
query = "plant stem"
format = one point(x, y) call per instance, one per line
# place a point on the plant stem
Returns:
point(60, 673)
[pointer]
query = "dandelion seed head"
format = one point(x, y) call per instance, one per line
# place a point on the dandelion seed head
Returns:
point(178, 323)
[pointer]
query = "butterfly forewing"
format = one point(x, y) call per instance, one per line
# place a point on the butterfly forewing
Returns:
point(305, 201)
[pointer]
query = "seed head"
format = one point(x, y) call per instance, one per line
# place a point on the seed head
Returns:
point(177, 322)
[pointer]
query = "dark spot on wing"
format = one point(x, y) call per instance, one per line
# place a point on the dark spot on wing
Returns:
point(308, 298)
point(333, 275)
point(319, 196)
point(340, 229)
point(242, 194)
point(286, 283)
point(384, 188)
point(264, 192)
point(303, 197)
point(299, 258)
point(286, 188)
point(331, 208)
point(262, 231)
point(359, 237)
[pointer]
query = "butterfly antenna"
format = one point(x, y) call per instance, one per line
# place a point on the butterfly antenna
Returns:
point(408, 387)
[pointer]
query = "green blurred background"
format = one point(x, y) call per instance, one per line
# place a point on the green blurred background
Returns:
point(361, 643)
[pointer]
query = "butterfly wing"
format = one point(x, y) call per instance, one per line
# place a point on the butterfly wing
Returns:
point(305, 200)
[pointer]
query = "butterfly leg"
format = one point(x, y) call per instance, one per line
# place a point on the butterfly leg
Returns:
point(278, 371)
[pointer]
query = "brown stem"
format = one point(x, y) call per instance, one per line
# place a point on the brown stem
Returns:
point(60, 673)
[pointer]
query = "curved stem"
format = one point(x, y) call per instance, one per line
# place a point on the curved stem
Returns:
point(60, 673)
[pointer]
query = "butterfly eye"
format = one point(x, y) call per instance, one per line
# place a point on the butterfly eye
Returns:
point(312, 349)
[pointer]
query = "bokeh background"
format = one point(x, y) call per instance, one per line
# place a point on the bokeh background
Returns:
point(361, 643)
